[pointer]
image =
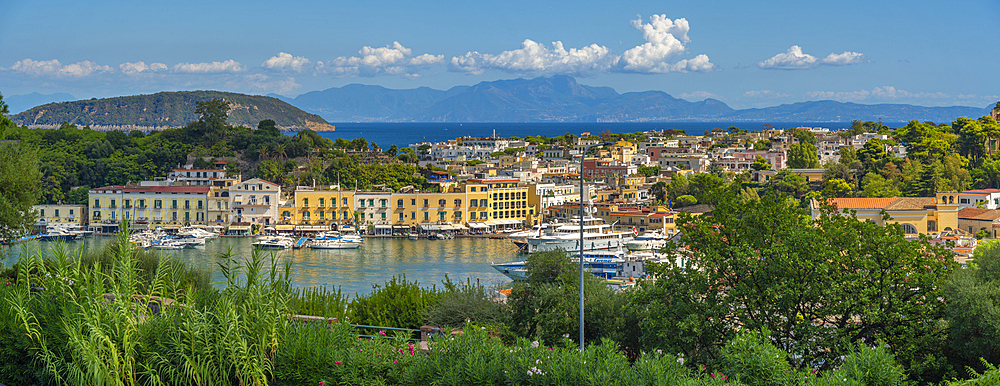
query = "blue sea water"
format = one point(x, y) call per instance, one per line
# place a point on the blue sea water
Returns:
point(406, 134)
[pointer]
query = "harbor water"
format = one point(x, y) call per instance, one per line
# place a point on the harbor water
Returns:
point(352, 270)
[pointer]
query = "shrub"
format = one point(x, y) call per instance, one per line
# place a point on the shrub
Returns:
point(399, 303)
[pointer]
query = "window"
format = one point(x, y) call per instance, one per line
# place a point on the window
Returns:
point(427, 216)
point(441, 202)
point(305, 215)
point(157, 204)
point(361, 203)
point(474, 203)
point(321, 203)
point(482, 216)
point(97, 203)
point(41, 212)
point(458, 202)
point(399, 203)
point(482, 203)
point(440, 216)
point(112, 203)
point(97, 214)
point(383, 202)
point(371, 202)
point(305, 202)
point(413, 201)
point(400, 216)
point(425, 203)
point(322, 215)
point(458, 215)
point(413, 215)
point(71, 212)
point(345, 201)
point(383, 215)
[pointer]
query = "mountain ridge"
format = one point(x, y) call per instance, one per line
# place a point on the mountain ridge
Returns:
point(168, 109)
point(561, 98)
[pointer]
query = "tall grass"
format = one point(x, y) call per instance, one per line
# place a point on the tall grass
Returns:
point(319, 301)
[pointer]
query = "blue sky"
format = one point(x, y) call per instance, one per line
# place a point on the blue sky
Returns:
point(744, 53)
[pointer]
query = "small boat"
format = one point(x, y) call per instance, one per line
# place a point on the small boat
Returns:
point(413, 236)
point(334, 244)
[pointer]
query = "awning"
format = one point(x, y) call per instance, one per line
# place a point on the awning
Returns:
point(382, 226)
point(478, 225)
point(167, 226)
point(284, 227)
point(430, 227)
point(312, 228)
point(490, 223)
point(239, 228)
point(401, 226)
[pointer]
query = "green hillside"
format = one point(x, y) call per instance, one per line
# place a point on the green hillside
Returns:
point(169, 109)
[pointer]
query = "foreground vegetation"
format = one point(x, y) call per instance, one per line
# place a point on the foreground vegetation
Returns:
point(881, 310)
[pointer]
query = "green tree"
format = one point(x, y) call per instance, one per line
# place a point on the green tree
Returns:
point(649, 171)
point(837, 188)
point(5, 123)
point(685, 200)
point(973, 300)
point(267, 127)
point(213, 112)
point(760, 164)
point(20, 188)
point(659, 191)
point(987, 174)
point(803, 156)
point(788, 182)
point(840, 282)
point(874, 185)
point(873, 154)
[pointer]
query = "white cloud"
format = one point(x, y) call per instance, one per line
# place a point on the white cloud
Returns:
point(56, 69)
point(284, 61)
point(264, 84)
point(392, 59)
point(536, 58)
point(209, 68)
point(132, 68)
point(765, 94)
point(698, 95)
point(881, 93)
point(795, 59)
point(665, 40)
point(843, 59)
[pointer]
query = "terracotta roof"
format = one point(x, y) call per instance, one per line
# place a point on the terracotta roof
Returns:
point(887, 203)
point(982, 191)
point(978, 214)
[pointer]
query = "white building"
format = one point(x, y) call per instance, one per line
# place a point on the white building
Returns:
point(985, 198)
point(254, 201)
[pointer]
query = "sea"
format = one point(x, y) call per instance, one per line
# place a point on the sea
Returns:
point(406, 134)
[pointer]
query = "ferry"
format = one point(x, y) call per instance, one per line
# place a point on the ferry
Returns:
point(597, 236)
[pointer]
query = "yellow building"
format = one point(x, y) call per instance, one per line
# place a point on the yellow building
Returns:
point(623, 151)
point(72, 216)
point(317, 207)
point(916, 214)
point(456, 209)
point(153, 206)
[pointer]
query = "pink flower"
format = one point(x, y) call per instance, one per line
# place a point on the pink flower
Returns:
point(338, 362)
point(321, 383)
point(8, 283)
point(381, 332)
point(395, 361)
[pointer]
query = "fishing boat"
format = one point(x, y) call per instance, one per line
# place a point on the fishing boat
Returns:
point(57, 233)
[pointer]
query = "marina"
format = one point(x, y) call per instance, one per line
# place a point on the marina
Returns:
point(353, 270)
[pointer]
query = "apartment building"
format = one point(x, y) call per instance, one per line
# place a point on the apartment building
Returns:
point(152, 206)
point(61, 215)
point(254, 201)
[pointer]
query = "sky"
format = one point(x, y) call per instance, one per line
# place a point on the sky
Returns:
point(744, 53)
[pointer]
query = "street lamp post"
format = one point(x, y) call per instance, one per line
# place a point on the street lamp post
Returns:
point(582, 157)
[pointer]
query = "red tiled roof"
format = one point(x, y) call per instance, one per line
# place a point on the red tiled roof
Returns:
point(978, 214)
point(887, 203)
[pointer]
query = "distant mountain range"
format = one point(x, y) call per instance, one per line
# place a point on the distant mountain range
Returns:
point(168, 109)
point(561, 99)
point(19, 103)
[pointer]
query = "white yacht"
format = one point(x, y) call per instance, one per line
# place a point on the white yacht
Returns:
point(334, 244)
point(648, 241)
point(597, 235)
point(274, 242)
point(535, 231)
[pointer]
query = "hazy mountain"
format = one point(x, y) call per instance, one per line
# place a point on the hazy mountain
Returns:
point(169, 109)
point(19, 103)
point(357, 102)
point(833, 111)
point(562, 99)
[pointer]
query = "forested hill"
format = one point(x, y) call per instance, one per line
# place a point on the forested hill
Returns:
point(169, 109)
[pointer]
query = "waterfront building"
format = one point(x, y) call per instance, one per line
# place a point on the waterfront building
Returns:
point(458, 208)
point(218, 201)
point(147, 206)
point(318, 207)
point(374, 211)
point(202, 177)
point(507, 202)
point(254, 201)
point(61, 215)
point(917, 215)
